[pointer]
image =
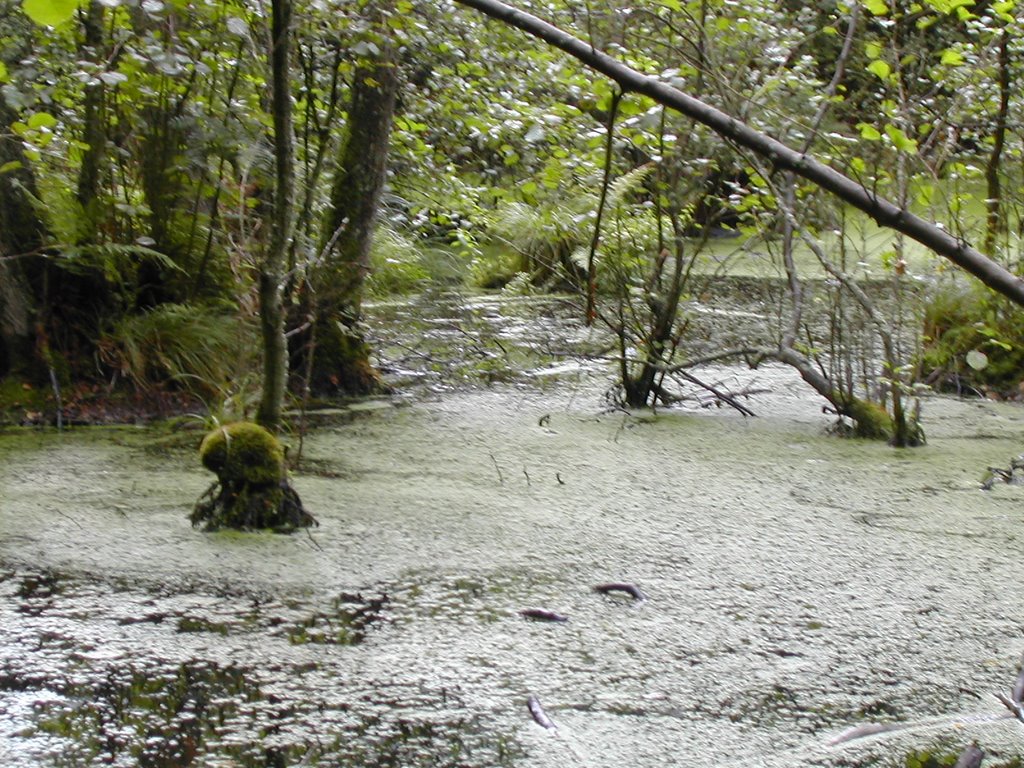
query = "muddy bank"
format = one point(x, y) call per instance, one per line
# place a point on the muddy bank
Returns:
point(797, 584)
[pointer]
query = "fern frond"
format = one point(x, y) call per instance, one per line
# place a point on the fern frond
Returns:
point(628, 183)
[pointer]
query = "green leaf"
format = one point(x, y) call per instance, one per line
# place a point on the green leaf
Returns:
point(41, 120)
point(4, 77)
point(925, 195)
point(952, 58)
point(977, 359)
point(869, 132)
point(11, 166)
point(877, 7)
point(1004, 10)
point(900, 140)
point(880, 68)
point(49, 13)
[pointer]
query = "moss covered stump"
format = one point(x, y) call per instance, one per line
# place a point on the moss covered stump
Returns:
point(252, 489)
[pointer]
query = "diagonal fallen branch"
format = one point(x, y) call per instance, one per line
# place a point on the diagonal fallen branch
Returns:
point(781, 156)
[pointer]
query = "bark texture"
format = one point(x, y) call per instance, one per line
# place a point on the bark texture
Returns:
point(341, 362)
point(282, 224)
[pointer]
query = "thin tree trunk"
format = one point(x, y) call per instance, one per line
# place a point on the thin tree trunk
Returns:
point(995, 224)
point(272, 270)
point(342, 357)
point(780, 155)
point(94, 134)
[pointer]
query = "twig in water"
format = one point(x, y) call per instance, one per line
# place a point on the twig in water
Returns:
point(501, 479)
point(1018, 687)
point(1014, 706)
point(314, 541)
point(539, 715)
point(527, 477)
point(630, 589)
point(722, 396)
point(869, 729)
point(540, 614)
point(558, 477)
point(56, 396)
point(69, 517)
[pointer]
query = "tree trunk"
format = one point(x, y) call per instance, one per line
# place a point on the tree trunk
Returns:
point(21, 232)
point(94, 134)
point(781, 156)
point(272, 270)
point(995, 221)
point(341, 359)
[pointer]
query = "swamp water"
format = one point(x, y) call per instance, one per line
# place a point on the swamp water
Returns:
point(797, 585)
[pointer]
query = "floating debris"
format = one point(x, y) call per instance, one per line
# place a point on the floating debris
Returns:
point(538, 713)
point(630, 589)
point(539, 614)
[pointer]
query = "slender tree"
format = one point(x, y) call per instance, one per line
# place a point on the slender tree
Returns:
point(282, 223)
point(94, 135)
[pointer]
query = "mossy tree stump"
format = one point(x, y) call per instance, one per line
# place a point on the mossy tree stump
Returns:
point(252, 489)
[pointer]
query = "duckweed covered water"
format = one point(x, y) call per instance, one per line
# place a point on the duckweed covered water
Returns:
point(798, 585)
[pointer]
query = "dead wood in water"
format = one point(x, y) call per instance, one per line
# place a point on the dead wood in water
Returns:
point(617, 586)
point(538, 713)
point(540, 614)
point(1018, 687)
point(248, 506)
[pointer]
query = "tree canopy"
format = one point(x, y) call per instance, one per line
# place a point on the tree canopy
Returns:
point(142, 180)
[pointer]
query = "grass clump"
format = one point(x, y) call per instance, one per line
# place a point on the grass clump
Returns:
point(973, 340)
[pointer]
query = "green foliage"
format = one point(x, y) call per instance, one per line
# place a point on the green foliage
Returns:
point(401, 264)
point(538, 240)
point(976, 336)
point(50, 12)
point(194, 347)
point(56, 205)
point(932, 759)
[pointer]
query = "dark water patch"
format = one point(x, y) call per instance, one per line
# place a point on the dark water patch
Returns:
point(346, 623)
point(105, 674)
point(157, 715)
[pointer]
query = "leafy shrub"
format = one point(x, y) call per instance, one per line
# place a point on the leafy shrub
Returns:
point(975, 337)
point(400, 264)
